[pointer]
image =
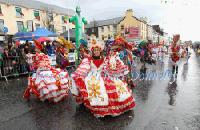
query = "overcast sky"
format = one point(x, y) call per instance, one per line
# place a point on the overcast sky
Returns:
point(174, 16)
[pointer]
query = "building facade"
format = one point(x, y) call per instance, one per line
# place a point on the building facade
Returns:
point(18, 15)
point(129, 26)
point(103, 29)
point(149, 32)
point(143, 28)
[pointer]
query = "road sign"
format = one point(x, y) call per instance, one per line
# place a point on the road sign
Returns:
point(5, 29)
point(71, 57)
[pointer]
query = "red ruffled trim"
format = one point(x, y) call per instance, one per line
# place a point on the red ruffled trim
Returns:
point(114, 108)
point(50, 92)
point(32, 88)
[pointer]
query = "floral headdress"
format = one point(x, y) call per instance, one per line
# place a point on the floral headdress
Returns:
point(120, 43)
point(38, 45)
point(94, 43)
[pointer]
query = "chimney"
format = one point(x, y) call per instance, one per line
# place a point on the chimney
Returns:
point(129, 12)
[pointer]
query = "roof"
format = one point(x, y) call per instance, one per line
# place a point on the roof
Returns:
point(112, 21)
point(39, 5)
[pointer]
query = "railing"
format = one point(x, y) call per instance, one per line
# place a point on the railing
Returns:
point(14, 66)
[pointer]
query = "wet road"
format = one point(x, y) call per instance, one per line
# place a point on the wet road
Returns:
point(160, 106)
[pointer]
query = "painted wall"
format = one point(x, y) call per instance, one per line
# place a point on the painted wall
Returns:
point(10, 19)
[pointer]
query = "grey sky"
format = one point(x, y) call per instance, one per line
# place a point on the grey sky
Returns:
point(175, 16)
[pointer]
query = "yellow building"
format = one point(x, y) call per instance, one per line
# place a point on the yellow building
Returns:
point(143, 29)
point(128, 25)
point(15, 15)
point(128, 21)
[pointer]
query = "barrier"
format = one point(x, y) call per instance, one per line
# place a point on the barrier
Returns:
point(15, 65)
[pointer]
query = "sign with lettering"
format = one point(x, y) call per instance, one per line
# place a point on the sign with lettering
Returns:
point(71, 57)
point(52, 60)
point(132, 32)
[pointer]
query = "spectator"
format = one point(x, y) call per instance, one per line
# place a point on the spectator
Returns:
point(26, 47)
point(1, 63)
point(29, 60)
point(7, 62)
point(23, 63)
point(50, 48)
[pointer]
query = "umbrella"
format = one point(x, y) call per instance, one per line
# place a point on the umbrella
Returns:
point(42, 32)
point(23, 36)
point(43, 39)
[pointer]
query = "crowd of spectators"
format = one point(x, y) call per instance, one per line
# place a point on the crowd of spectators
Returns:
point(18, 57)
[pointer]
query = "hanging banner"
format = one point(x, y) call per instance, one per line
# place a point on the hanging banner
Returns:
point(52, 60)
point(132, 32)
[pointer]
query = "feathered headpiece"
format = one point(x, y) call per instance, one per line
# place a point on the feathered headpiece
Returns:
point(94, 43)
point(65, 43)
point(38, 45)
point(83, 43)
point(176, 38)
point(121, 43)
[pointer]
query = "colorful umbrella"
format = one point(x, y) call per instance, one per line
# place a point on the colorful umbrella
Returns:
point(43, 39)
point(23, 36)
point(42, 32)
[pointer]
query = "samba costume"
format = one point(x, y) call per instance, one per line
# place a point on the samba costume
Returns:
point(175, 56)
point(47, 83)
point(124, 49)
point(97, 85)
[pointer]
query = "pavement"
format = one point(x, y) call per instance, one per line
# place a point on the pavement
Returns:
point(160, 105)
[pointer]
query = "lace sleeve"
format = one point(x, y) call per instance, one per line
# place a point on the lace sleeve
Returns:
point(82, 70)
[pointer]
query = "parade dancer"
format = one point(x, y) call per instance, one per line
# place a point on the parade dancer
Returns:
point(97, 85)
point(187, 54)
point(47, 83)
point(175, 56)
point(84, 51)
point(145, 53)
point(124, 49)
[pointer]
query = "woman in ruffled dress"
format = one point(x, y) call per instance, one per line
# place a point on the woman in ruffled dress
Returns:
point(48, 83)
point(175, 54)
point(97, 84)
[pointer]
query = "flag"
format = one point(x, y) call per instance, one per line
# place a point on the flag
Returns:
point(24, 29)
point(19, 11)
point(65, 19)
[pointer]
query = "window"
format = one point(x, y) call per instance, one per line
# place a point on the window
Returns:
point(20, 26)
point(51, 28)
point(102, 29)
point(64, 29)
point(109, 36)
point(0, 10)
point(50, 16)
point(19, 12)
point(122, 27)
point(108, 28)
point(102, 37)
point(30, 25)
point(37, 26)
point(1, 25)
point(115, 28)
point(64, 19)
point(37, 14)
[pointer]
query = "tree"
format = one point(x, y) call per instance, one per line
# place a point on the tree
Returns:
point(48, 20)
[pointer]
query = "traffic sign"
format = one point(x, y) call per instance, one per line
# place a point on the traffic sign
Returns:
point(5, 29)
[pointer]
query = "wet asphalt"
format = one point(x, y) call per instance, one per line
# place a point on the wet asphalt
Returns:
point(160, 105)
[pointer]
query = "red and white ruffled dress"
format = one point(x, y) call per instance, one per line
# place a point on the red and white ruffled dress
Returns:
point(175, 54)
point(97, 85)
point(47, 83)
